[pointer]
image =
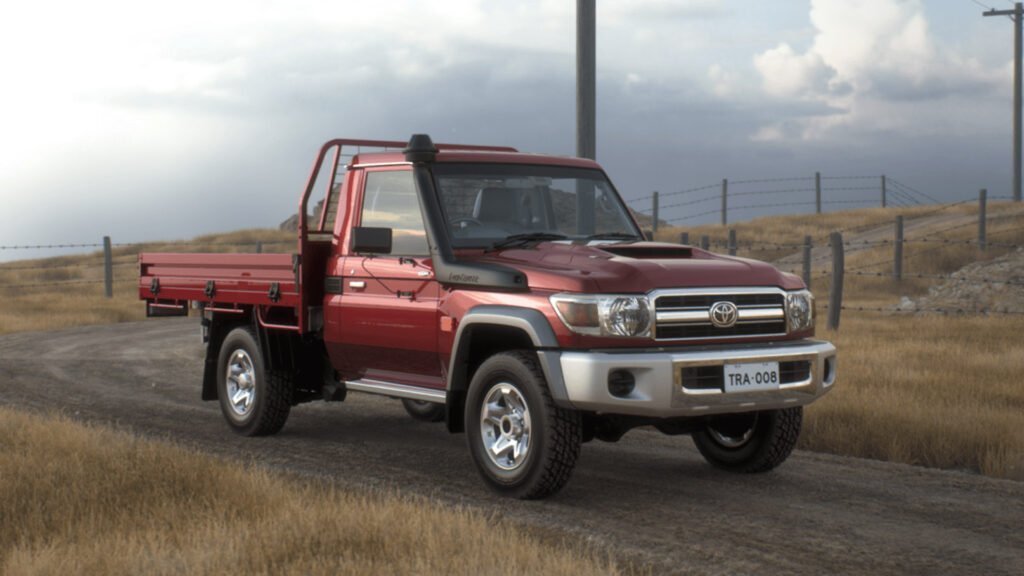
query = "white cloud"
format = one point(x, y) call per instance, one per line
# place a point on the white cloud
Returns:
point(866, 57)
point(785, 73)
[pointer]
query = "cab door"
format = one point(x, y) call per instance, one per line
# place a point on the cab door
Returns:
point(386, 316)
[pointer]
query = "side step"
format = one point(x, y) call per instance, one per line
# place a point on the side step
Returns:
point(396, 390)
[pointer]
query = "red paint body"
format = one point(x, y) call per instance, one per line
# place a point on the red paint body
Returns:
point(383, 319)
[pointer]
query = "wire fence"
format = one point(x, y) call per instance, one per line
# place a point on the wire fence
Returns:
point(105, 262)
point(815, 256)
point(681, 207)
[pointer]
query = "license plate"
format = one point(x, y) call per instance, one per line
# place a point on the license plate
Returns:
point(752, 376)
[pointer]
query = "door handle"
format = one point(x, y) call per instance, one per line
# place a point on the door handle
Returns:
point(357, 284)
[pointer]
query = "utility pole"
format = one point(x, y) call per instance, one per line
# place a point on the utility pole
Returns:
point(1017, 15)
point(586, 64)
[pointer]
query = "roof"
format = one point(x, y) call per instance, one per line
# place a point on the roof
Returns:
point(479, 156)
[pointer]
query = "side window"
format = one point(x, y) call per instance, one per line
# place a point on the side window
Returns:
point(390, 201)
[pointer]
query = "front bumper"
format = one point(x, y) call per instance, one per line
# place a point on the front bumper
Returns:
point(580, 379)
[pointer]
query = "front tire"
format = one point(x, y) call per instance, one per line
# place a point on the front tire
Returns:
point(423, 410)
point(255, 401)
point(524, 446)
point(750, 442)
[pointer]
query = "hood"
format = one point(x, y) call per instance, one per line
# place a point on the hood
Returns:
point(633, 267)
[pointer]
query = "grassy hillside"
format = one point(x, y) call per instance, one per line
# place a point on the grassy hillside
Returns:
point(80, 499)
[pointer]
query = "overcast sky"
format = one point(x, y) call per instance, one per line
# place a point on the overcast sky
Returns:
point(144, 122)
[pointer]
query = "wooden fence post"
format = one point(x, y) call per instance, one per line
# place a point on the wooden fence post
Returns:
point(835, 294)
point(654, 211)
point(725, 189)
point(684, 238)
point(259, 247)
point(883, 190)
point(108, 267)
point(982, 200)
point(705, 242)
point(897, 263)
point(807, 261)
point(732, 242)
point(817, 192)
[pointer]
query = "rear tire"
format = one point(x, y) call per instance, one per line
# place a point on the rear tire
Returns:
point(255, 401)
point(523, 444)
point(423, 410)
point(750, 442)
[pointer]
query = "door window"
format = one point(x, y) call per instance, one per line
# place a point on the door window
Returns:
point(390, 201)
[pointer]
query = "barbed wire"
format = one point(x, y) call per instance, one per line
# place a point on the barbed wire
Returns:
point(964, 279)
point(689, 203)
point(848, 177)
point(896, 310)
point(52, 283)
point(870, 225)
point(49, 246)
point(903, 197)
point(769, 180)
point(687, 191)
point(760, 192)
point(692, 216)
point(909, 189)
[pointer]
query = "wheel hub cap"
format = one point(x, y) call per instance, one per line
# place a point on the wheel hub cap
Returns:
point(505, 426)
point(733, 434)
point(241, 382)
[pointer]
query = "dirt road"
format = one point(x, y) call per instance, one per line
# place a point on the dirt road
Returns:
point(648, 499)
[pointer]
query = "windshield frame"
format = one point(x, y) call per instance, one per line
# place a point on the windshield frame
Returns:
point(442, 170)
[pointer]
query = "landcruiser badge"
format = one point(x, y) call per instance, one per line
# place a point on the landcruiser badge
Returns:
point(723, 314)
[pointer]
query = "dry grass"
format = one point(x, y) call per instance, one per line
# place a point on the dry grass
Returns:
point(83, 499)
point(932, 390)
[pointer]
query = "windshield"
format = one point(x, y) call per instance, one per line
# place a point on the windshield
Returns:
point(485, 204)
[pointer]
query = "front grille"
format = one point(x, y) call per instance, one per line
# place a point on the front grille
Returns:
point(687, 316)
point(798, 371)
point(703, 377)
point(706, 300)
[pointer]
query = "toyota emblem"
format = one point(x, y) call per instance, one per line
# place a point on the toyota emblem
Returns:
point(723, 314)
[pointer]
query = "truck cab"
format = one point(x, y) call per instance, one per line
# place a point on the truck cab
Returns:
point(512, 296)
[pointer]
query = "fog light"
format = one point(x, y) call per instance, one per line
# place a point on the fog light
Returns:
point(621, 383)
point(830, 371)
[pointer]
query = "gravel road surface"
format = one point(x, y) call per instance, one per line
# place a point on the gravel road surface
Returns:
point(649, 499)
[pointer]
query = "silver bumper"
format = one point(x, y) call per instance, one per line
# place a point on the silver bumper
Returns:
point(661, 391)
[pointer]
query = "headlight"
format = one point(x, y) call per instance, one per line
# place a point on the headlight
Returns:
point(799, 311)
point(604, 315)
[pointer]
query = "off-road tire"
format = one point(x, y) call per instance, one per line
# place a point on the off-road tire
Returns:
point(423, 410)
point(554, 437)
point(272, 390)
point(773, 435)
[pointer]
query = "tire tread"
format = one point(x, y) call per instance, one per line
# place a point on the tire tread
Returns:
point(566, 437)
point(278, 404)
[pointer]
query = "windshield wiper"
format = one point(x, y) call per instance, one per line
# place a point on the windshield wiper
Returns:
point(611, 236)
point(521, 240)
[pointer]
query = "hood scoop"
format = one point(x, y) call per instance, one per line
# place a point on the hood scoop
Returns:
point(647, 251)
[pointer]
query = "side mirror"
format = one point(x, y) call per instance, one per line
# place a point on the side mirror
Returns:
point(371, 240)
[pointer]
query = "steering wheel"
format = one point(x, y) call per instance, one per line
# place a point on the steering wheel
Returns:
point(462, 222)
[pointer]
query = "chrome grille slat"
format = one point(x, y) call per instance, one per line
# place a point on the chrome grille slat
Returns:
point(685, 315)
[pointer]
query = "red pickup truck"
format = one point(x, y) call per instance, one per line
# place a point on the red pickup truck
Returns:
point(512, 296)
